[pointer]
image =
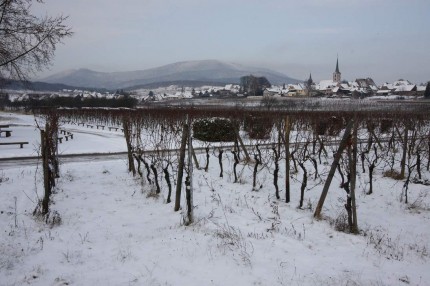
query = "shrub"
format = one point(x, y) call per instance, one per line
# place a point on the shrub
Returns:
point(214, 130)
point(393, 174)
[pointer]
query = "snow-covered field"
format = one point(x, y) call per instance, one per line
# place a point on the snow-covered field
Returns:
point(115, 231)
point(85, 139)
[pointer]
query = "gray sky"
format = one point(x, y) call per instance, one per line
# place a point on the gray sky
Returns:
point(382, 39)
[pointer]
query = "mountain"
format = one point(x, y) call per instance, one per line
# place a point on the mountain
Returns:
point(190, 71)
point(41, 86)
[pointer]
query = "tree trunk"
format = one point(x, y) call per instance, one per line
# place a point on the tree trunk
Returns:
point(336, 159)
point(207, 159)
point(257, 158)
point(363, 157)
point(45, 165)
point(236, 147)
point(127, 135)
point(169, 184)
point(419, 164)
point(371, 168)
point(304, 184)
point(221, 172)
point(315, 163)
point(154, 170)
point(148, 170)
point(321, 149)
point(406, 185)
point(294, 160)
point(275, 173)
point(139, 170)
point(236, 161)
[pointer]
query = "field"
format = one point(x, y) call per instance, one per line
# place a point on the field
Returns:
point(108, 227)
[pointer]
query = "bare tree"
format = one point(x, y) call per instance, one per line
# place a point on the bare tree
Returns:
point(27, 42)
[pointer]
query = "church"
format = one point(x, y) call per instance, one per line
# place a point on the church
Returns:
point(329, 86)
point(335, 86)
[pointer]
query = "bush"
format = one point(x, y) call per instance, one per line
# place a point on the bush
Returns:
point(214, 130)
point(393, 174)
point(340, 223)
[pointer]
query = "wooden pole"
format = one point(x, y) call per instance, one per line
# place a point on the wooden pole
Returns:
point(189, 185)
point(353, 171)
point(287, 159)
point(336, 159)
point(181, 167)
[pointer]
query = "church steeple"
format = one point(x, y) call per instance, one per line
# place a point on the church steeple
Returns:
point(310, 81)
point(337, 65)
point(337, 74)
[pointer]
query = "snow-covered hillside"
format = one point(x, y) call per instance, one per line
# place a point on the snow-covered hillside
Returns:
point(205, 70)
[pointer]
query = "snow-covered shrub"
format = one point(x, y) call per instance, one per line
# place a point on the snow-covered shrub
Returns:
point(340, 223)
point(214, 130)
point(393, 174)
point(3, 178)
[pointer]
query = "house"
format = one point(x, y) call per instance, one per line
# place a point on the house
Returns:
point(296, 90)
point(421, 89)
point(232, 88)
point(326, 86)
point(272, 91)
point(364, 86)
point(410, 90)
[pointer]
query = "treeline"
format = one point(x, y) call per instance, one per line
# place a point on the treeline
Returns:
point(75, 102)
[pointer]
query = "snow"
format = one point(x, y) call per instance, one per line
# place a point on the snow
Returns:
point(114, 231)
point(326, 84)
point(401, 88)
point(85, 139)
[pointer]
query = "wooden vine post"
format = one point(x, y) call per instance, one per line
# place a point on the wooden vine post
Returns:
point(287, 158)
point(189, 179)
point(353, 172)
point(404, 151)
point(342, 146)
point(181, 166)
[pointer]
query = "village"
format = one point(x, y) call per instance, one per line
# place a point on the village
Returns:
point(331, 88)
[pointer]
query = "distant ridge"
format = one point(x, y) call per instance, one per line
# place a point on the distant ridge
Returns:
point(190, 71)
point(42, 86)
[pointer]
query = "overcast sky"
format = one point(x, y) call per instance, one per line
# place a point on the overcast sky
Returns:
point(382, 39)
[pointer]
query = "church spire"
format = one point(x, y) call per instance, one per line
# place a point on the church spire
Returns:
point(337, 74)
point(337, 65)
point(310, 80)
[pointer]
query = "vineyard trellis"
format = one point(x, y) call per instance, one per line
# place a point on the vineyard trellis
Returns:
point(371, 135)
